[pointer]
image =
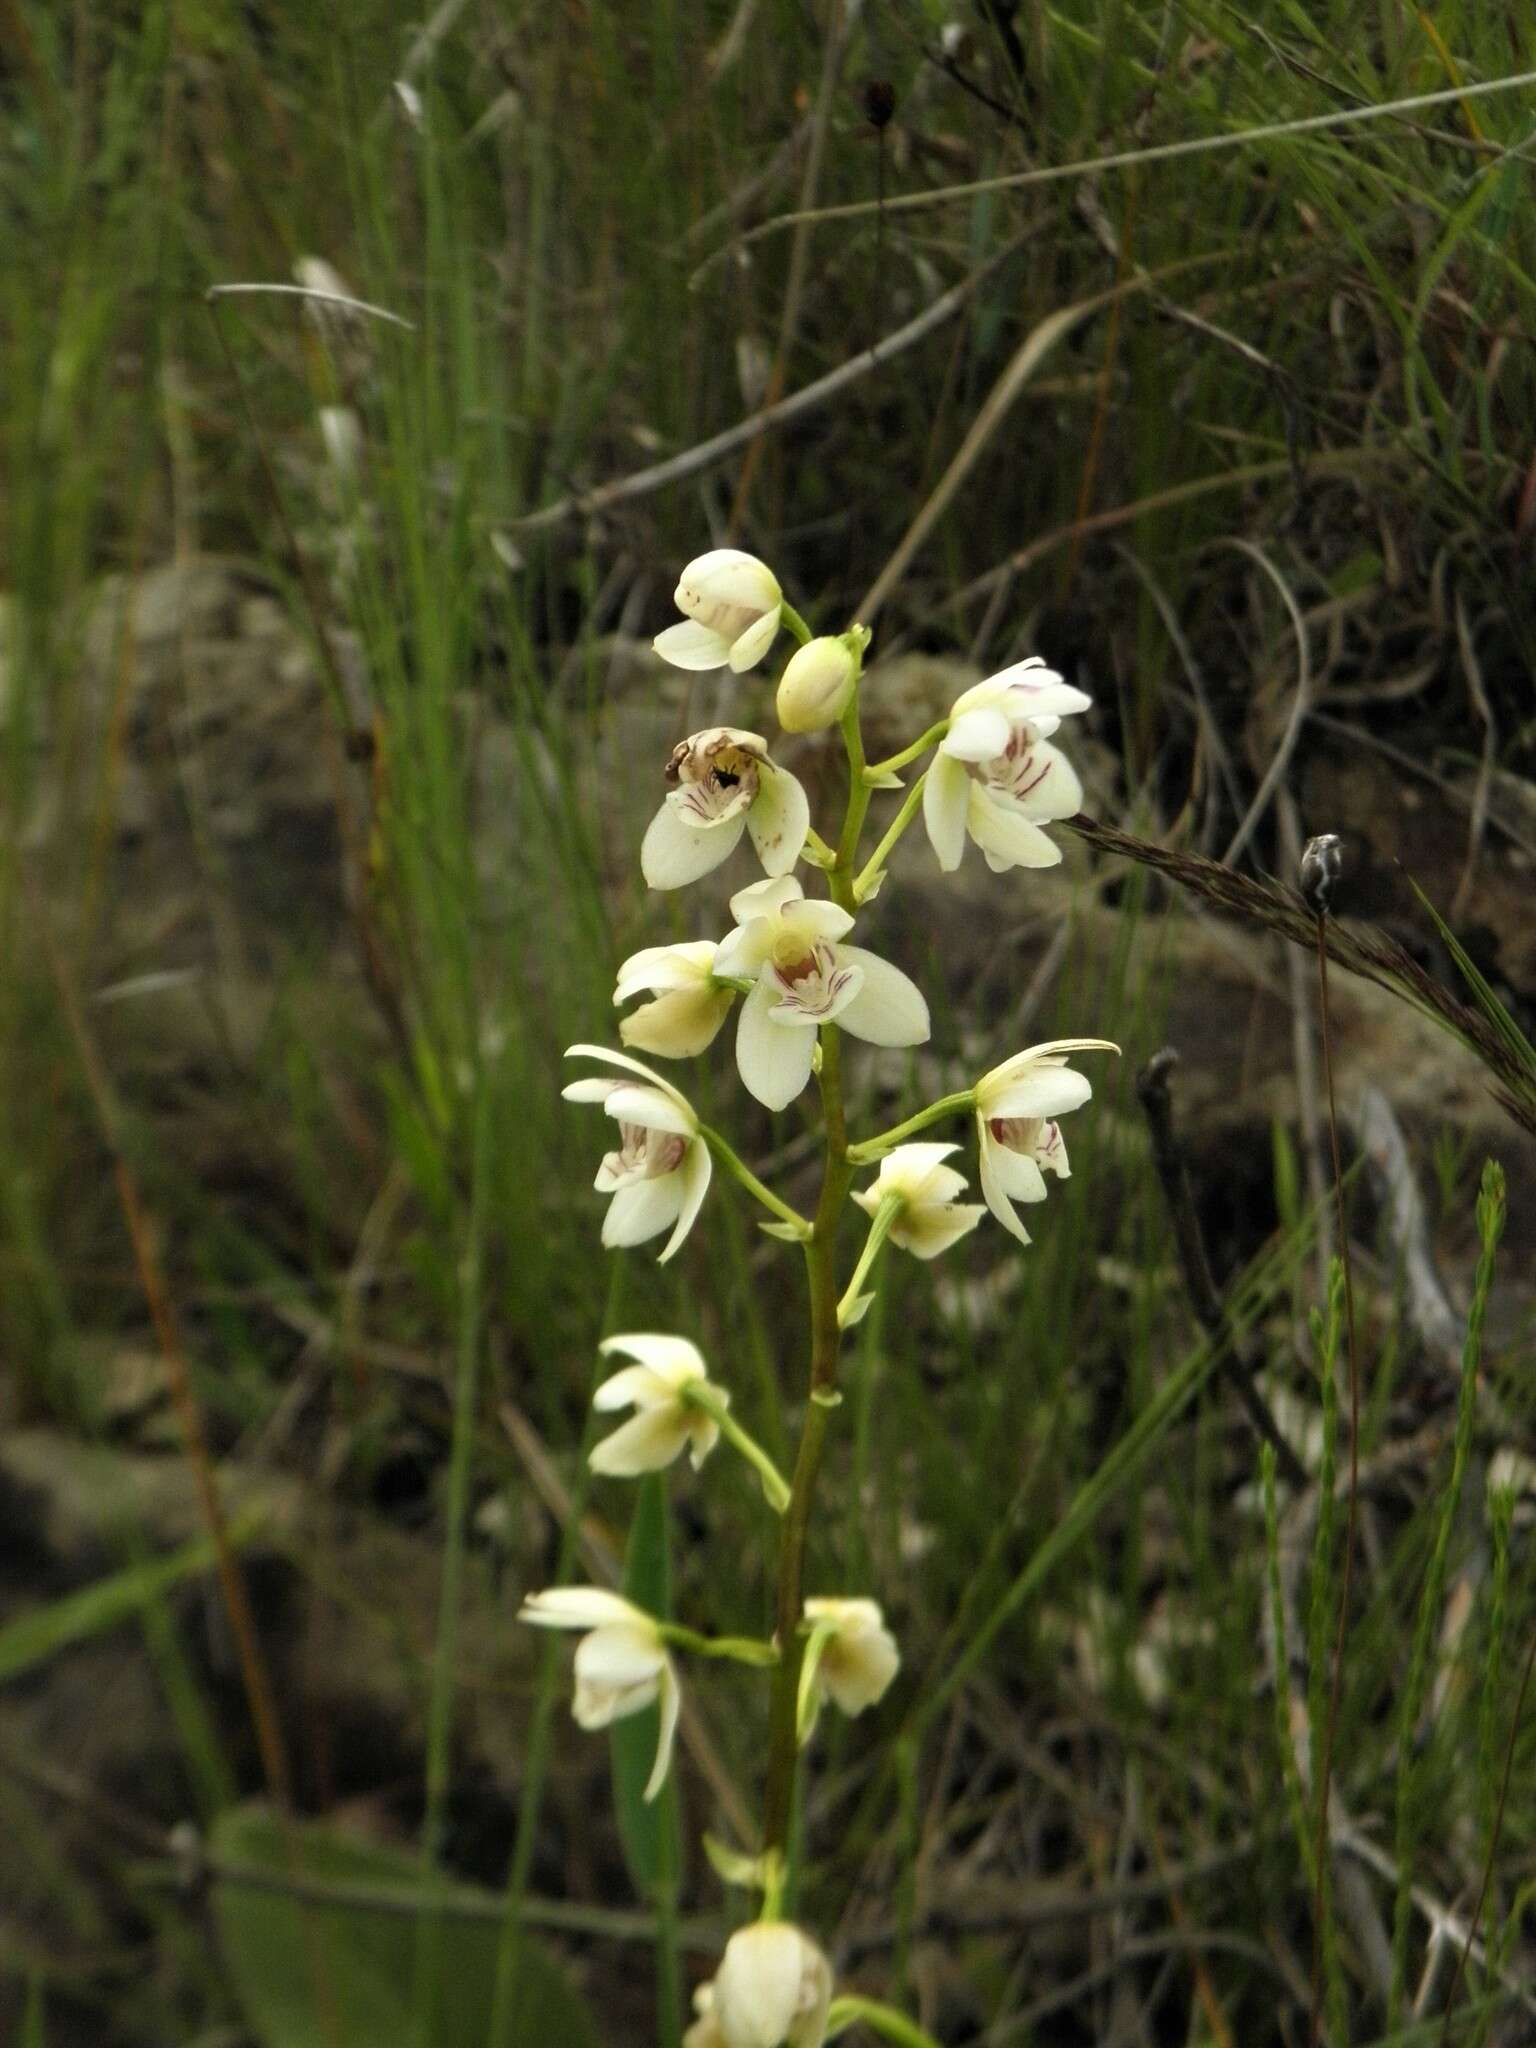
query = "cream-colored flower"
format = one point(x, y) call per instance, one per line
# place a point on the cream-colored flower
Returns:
point(660, 1173)
point(1017, 1104)
point(724, 785)
point(996, 778)
point(804, 976)
point(817, 682)
point(622, 1663)
point(772, 1990)
point(928, 1219)
point(851, 1658)
point(690, 1004)
point(658, 1386)
point(733, 603)
point(705, 2031)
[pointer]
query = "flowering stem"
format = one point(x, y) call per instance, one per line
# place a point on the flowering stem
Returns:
point(739, 1170)
point(875, 865)
point(879, 1231)
point(793, 620)
point(826, 1342)
point(889, 766)
point(817, 850)
point(840, 877)
point(868, 1150)
point(775, 1488)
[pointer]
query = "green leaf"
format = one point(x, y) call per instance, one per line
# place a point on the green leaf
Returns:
point(33, 1638)
point(651, 1833)
point(317, 1971)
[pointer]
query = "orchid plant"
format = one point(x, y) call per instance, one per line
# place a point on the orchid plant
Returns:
point(802, 987)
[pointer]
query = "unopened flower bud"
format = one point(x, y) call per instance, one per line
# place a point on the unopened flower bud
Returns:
point(772, 1989)
point(817, 684)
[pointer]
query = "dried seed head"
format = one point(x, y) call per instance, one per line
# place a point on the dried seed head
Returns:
point(1322, 862)
point(879, 102)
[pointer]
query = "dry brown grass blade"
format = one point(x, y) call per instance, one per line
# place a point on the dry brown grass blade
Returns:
point(1361, 950)
point(644, 483)
point(255, 1676)
point(1033, 351)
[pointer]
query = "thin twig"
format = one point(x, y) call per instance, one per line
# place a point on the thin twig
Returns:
point(261, 1697)
point(348, 304)
point(587, 504)
point(1156, 1099)
point(1036, 346)
point(1351, 1514)
point(844, 14)
point(1162, 152)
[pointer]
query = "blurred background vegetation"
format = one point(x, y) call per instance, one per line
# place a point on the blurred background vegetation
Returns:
point(325, 760)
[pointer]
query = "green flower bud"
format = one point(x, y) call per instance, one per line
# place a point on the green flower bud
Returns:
point(817, 683)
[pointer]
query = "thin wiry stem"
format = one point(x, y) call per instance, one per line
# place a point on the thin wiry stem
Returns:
point(1330, 1726)
point(1474, 1918)
point(1125, 159)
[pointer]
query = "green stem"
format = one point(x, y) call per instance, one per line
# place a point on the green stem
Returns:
point(884, 2020)
point(873, 869)
point(793, 621)
point(826, 1343)
point(840, 876)
point(868, 1150)
point(428, 1959)
point(735, 1649)
point(739, 1170)
point(775, 1487)
point(879, 1231)
point(890, 765)
point(817, 850)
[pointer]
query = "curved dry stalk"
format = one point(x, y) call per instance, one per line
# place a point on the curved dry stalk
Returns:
point(1360, 949)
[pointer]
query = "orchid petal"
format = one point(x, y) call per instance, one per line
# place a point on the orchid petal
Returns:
point(670, 1700)
point(752, 645)
point(578, 1607)
point(673, 1358)
point(774, 1059)
point(675, 852)
point(946, 793)
point(889, 1009)
point(980, 734)
point(1005, 835)
point(648, 1442)
point(779, 819)
point(1048, 1091)
point(641, 1209)
point(692, 646)
point(693, 1178)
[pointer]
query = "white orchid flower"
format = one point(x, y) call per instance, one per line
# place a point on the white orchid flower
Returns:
point(996, 778)
point(851, 1659)
point(1017, 1105)
point(690, 1004)
point(918, 1193)
point(622, 1664)
point(723, 785)
point(772, 1990)
point(705, 2031)
point(733, 604)
point(803, 976)
point(667, 1372)
point(660, 1173)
